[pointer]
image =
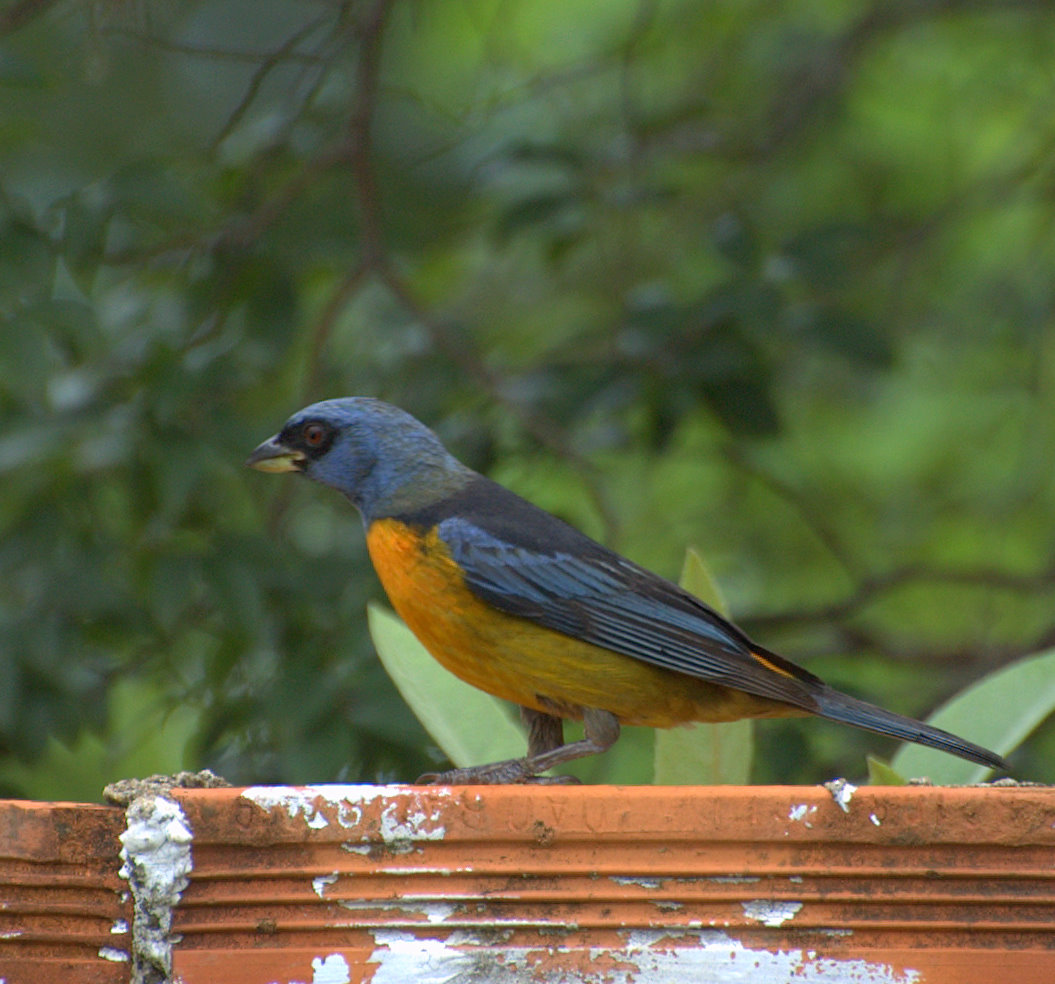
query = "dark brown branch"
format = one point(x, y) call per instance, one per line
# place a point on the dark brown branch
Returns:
point(360, 134)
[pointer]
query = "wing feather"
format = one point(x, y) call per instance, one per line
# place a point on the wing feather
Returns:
point(597, 596)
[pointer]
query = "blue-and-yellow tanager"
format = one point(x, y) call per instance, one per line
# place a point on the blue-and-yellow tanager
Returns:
point(522, 605)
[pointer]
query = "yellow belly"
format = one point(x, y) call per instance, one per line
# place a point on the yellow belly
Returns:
point(528, 664)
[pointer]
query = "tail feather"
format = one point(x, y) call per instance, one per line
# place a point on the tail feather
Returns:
point(841, 707)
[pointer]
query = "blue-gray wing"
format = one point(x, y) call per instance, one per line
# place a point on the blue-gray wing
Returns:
point(573, 585)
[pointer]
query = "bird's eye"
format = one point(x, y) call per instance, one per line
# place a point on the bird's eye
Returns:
point(314, 435)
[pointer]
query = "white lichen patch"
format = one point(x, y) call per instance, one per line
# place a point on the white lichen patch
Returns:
point(771, 912)
point(156, 861)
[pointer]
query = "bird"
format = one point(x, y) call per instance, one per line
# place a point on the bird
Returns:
point(520, 604)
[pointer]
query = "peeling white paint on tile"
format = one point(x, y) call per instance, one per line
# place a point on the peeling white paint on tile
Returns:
point(417, 825)
point(323, 882)
point(429, 911)
point(461, 869)
point(771, 912)
point(10, 934)
point(296, 801)
point(471, 937)
point(439, 912)
point(401, 958)
point(113, 954)
point(662, 959)
point(647, 957)
point(875, 819)
point(119, 926)
point(356, 848)
point(421, 820)
point(640, 881)
point(842, 792)
point(734, 879)
point(801, 813)
point(330, 970)
point(156, 861)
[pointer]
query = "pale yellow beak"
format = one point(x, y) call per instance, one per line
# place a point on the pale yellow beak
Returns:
point(273, 456)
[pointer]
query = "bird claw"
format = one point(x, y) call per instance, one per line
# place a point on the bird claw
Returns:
point(513, 772)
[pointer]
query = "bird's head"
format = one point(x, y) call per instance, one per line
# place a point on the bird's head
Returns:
point(385, 461)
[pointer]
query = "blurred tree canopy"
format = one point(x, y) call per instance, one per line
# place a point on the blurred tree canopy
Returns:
point(773, 279)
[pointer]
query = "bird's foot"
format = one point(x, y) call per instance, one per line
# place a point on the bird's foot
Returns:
point(512, 771)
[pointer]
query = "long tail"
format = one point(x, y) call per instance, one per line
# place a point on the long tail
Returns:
point(849, 710)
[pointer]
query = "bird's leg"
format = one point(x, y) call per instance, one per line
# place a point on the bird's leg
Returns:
point(601, 731)
point(545, 731)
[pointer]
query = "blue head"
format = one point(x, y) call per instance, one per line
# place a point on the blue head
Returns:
point(381, 457)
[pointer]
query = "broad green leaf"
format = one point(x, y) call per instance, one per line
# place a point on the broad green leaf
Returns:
point(999, 712)
point(881, 774)
point(472, 728)
point(704, 754)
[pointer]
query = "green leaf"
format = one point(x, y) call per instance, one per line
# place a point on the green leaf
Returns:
point(999, 712)
point(472, 728)
point(696, 578)
point(709, 754)
point(881, 774)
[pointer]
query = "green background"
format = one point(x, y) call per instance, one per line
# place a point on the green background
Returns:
point(774, 280)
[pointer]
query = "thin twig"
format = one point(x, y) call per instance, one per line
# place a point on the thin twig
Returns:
point(267, 64)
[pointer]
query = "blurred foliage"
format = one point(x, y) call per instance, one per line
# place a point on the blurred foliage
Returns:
point(773, 279)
